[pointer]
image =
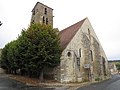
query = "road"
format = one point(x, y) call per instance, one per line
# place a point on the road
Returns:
point(111, 84)
point(9, 84)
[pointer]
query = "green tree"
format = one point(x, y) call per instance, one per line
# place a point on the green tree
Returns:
point(22, 48)
point(36, 48)
point(4, 58)
point(12, 56)
point(44, 50)
point(8, 57)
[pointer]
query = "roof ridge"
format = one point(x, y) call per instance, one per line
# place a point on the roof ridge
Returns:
point(68, 33)
point(75, 23)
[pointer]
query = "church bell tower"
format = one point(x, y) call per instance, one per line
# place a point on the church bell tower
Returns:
point(42, 14)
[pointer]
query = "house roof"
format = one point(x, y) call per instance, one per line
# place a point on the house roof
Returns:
point(41, 4)
point(68, 33)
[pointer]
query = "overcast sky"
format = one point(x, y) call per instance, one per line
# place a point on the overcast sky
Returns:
point(104, 16)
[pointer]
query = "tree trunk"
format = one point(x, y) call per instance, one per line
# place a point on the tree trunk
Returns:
point(15, 72)
point(41, 76)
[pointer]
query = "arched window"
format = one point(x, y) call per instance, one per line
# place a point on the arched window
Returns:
point(91, 54)
point(89, 33)
point(47, 21)
point(80, 52)
point(43, 19)
point(46, 11)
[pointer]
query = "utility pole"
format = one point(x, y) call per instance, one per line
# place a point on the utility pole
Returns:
point(0, 23)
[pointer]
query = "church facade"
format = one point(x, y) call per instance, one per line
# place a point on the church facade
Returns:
point(82, 58)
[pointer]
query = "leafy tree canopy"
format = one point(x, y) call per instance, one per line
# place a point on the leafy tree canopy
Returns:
point(36, 48)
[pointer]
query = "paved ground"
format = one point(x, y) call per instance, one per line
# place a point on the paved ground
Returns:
point(111, 84)
point(9, 84)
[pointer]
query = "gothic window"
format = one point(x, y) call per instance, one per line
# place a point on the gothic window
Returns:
point(89, 32)
point(80, 52)
point(91, 54)
point(43, 19)
point(46, 11)
point(46, 20)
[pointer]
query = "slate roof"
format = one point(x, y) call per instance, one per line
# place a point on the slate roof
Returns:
point(68, 33)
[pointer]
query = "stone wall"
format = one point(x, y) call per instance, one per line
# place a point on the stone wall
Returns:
point(96, 58)
point(52, 73)
point(90, 56)
point(86, 56)
point(39, 12)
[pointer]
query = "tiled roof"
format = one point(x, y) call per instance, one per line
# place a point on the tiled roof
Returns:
point(68, 33)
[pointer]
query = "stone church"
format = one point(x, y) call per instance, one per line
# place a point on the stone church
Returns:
point(82, 58)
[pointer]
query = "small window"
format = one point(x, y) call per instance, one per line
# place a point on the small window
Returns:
point(78, 63)
point(33, 12)
point(69, 54)
point(33, 21)
point(91, 55)
point(46, 11)
point(80, 52)
point(43, 19)
point(88, 31)
point(47, 21)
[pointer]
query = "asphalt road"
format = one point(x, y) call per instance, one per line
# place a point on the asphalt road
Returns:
point(111, 84)
point(9, 84)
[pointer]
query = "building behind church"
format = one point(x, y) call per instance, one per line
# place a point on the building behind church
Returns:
point(112, 66)
point(82, 58)
point(0, 53)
